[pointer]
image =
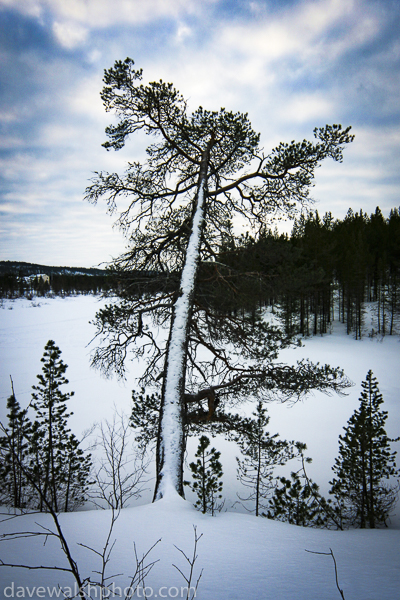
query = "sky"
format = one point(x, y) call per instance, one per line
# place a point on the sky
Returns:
point(292, 65)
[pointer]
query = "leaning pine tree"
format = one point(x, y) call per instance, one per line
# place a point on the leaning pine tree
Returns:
point(364, 496)
point(203, 169)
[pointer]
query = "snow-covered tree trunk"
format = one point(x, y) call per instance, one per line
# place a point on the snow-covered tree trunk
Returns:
point(170, 443)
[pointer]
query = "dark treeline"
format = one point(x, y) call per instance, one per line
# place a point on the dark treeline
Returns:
point(19, 279)
point(326, 269)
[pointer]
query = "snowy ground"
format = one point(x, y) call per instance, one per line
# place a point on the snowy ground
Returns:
point(242, 556)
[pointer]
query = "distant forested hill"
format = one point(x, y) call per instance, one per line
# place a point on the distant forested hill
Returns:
point(27, 279)
point(24, 269)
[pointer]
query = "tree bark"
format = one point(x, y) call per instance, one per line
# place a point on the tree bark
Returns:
point(171, 441)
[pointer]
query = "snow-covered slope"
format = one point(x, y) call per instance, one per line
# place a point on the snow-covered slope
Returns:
point(242, 556)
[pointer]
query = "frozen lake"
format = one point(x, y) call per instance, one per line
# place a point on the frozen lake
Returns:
point(26, 326)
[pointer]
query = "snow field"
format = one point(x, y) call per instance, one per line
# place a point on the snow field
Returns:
point(26, 326)
point(242, 557)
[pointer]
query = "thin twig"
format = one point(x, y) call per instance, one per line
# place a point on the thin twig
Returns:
point(191, 563)
point(330, 553)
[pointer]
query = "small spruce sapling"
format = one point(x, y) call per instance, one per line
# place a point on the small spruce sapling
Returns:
point(298, 502)
point(207, 478)
point(41, 463)
point(262, 453)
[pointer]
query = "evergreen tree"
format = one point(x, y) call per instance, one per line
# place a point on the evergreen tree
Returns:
point(203, 169)
point(298, 502)
point(77, 467)
point(364, 497)
point(262, 453)
point(394, 267)
point(144, 418)
point(59, 467)
point(207, 474)
point(15, 490)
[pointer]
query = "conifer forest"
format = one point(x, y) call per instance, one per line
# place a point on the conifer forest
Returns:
point(327, 269)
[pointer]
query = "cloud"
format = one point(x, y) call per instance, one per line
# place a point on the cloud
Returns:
point(81, 235)
point(29, 8)
point(9, 115)
point(103, 13)
point(183, 32)
point(291, 65)
point(43, 216)
point(306, 107)
point(310, 32)
point(368, 176)
point(69, 34)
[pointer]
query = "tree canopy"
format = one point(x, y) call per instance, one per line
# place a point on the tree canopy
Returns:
point(203, 170)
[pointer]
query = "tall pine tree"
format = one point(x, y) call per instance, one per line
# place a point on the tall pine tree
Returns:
point(364, 496)
point(59, 467)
